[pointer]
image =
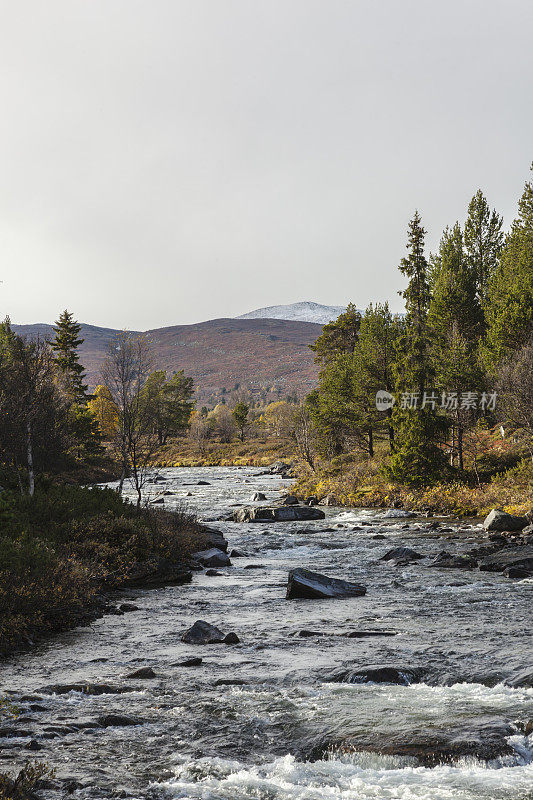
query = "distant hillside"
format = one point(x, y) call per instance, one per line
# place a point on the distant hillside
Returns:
point(220, 353)
point(305, 311)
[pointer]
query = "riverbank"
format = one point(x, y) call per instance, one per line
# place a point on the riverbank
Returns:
point(361, 485)
point(63, 550)
point(259, 451)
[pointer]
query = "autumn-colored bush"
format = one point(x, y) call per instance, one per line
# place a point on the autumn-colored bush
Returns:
point(61, 547)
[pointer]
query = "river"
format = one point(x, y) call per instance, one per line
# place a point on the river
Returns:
point(284, 730)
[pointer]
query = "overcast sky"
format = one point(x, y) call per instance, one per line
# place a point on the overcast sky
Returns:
point(171, 161)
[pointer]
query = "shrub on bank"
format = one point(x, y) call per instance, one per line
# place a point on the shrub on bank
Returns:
point(61, 547)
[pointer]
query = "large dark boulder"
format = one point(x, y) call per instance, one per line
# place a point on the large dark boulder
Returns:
point(303, 583)
point(212, 558)
point(401, 553)
point(499, 520)
point(379, 673)
point(117, 721)
point(203, 633)
point(277, 514)
point(508, 557)
point(210, 537)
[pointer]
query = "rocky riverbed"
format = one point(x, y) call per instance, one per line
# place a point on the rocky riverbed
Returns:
point(422, 687)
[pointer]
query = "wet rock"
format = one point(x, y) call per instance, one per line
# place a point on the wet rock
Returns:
point(453, 561)
point(399, 676)
point(258, 496)
point(329, 500)
point(518, 573)
point(189, 662)
point(33, 745)
point(307, 634)
point(203, 483)
point(230, 682)
point(213, 573)
point(303, 583)
point(290, 500)
point(311, 501)
point(94, 689)
point(117, 721)
point(125, 607)
point(476, 738)
point(254, 566)
point(499, 520)
point(231, 638)
point(403, 553)
point(212, 558)
point(277, 514)
point(279, 468)
point(522, 679)
point(143, 672)
point(237, 554)
point(157, 500)
point(509, 557)
point(203, 633)
point(214, 538)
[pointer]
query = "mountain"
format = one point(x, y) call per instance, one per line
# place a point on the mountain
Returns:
point(218, 354)
point(305, 311)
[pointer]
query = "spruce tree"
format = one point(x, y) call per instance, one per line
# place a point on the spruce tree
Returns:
point(65, 346)
point(510, 300)
point(417, 297)
point(483, 240)
point(417, 459)
point(455, 323)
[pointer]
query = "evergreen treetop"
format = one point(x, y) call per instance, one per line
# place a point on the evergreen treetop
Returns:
point(65, 346)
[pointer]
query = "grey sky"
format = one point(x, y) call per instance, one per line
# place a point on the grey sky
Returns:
point(170, 162)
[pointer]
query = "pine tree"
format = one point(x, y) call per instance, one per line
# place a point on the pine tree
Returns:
point(417, 297)
point(338, 337)
point(417, 459)
point(483, 240)
point(65, 346)
point(455, 300)
point(510, 299)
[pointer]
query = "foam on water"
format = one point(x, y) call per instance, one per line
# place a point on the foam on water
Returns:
point(358, 778)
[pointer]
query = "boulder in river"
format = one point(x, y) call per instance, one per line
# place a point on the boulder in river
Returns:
point(303, 583)
point(213, 538)
point(499, 520)
point(94, 689)
point(508, 557)
point(277, 514)
point(403, 553)
point(212, 558)
point(453, 561)
point(289, 500)
point(379, 673)
point(117, 721)
point(203, 633)
point(258, 496)
point(143, 673)
point(189, 662)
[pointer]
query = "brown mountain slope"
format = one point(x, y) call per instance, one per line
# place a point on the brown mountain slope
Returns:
point(219, 353)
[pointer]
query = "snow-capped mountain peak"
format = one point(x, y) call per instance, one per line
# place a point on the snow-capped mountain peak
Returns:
point(306, 311)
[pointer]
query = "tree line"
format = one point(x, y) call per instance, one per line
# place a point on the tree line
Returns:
point(49, 420)
point(459, 360)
